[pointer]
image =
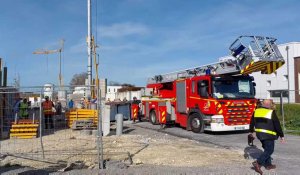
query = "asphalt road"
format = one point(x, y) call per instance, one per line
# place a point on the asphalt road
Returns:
point(286, 156)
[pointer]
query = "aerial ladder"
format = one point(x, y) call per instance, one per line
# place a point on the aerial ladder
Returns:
point(52, 52)
point(248, 54)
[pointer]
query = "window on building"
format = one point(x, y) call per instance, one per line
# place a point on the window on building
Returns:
point(114, 90)
point(277, 93)
point(269, 83)
point(108, 89)
point(285, 77)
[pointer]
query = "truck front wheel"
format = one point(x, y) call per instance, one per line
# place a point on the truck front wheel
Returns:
point(196, 123)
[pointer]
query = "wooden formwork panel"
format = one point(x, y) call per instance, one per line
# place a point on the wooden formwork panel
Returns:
point(82, 111)
point(22, 134)
point(25, 126)
point(24, 130)
point(81, 114)
point(25, 121)
point(24, 137)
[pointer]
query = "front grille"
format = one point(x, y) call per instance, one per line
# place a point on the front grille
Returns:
point(237, 115)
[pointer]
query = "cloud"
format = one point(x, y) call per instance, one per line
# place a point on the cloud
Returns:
point(78, 48)
point(123, 29)
point(133, 51)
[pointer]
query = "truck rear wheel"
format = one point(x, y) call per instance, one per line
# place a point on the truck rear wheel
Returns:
point(153, 118)
point(196, 123)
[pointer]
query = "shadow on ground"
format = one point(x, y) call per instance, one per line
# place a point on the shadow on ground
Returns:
point(252, 152)
point(21, 170)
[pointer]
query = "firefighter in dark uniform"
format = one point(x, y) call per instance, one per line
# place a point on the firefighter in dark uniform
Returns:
point(135, 105)
point(267, 127)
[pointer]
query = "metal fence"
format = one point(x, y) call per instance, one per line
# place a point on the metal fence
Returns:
point(27, 131)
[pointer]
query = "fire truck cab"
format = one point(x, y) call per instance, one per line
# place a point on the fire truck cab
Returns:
point(214, 103)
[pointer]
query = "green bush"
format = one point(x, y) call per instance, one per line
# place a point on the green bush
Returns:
point(292, 116)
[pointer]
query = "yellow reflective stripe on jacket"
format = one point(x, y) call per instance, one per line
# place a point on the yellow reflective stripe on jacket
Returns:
point(263, 113)
point(266, 131)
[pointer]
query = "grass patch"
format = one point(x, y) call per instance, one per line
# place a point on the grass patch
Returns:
point(291, 116)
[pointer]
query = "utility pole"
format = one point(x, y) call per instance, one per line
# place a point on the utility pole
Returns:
point(89, 43)
point(288, 71)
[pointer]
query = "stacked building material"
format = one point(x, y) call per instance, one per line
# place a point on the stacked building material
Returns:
point(24, 129)
point(81, 115)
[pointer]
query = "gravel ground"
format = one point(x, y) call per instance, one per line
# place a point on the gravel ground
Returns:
point(286, 156)
point(151, 152)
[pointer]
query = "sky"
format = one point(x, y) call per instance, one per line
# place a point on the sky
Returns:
point(137, 38)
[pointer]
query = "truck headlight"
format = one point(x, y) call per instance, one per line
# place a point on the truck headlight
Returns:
point(217, 120)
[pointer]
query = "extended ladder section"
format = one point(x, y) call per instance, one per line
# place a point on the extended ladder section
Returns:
point(248, 54)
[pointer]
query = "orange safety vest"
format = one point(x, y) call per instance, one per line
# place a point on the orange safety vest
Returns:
point(47, 107)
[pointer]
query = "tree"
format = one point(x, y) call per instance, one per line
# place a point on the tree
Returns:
point(127, 85)
point(115, 83)
point(79, 79)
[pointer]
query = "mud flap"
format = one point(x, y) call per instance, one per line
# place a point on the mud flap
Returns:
point(162, 115)
point(134, 111)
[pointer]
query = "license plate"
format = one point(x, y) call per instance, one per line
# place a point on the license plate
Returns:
point(239, 128)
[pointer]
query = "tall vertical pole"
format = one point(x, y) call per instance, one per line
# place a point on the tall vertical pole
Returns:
point(4, 76)
point(282, 110)
point(89, 38)
point(100, 132)
point(288, 71)
point(60, 83)
point(41, 127)
point(0, 71)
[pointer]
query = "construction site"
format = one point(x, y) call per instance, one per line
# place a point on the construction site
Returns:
point(188, 121)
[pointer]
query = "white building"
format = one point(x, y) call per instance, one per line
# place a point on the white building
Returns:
point(48, 90)
point(130, 93)
point(285, 78)
point(111, 93)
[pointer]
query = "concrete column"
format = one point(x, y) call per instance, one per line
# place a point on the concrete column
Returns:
point(119, 118)
point(106, 119)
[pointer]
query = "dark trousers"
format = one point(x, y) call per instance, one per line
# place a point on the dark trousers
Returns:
point(49, 121)
point(265, 158)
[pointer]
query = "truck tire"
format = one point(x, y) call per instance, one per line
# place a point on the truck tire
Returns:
point(153, 118)
point(196, 123)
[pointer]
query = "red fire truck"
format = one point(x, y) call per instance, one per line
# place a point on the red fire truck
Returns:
point(214, 97)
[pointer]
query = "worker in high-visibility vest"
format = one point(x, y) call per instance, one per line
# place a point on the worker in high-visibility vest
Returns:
point(267, 127)
point(48, 113)
point(23, 107)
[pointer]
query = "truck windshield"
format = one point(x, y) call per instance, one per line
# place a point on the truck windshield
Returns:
point(233, 88)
